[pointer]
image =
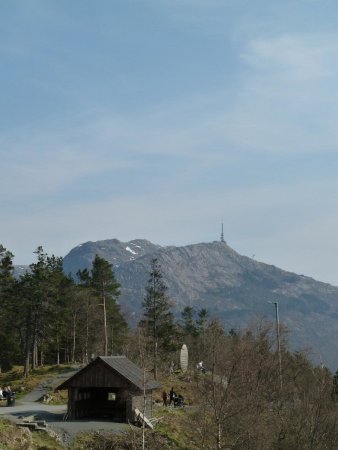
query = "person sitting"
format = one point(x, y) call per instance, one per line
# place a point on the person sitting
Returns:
point(201, 367)
point(179, 401)
point(172, 396)
point(1, 393)
point(10, 396)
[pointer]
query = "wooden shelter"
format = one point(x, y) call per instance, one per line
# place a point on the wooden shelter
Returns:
point(109, 387)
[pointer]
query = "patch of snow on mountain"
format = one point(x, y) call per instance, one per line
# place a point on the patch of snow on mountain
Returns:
point(131, 251)
point(135, 245)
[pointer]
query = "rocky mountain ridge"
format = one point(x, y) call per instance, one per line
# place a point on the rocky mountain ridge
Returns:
point(232, 287)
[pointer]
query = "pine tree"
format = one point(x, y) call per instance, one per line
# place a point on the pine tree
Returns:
point(104, 291)
point(158, 318)
point(107, 289)
point(40, 307)
point(189, 326)
point(192, 326)
point(9, 348)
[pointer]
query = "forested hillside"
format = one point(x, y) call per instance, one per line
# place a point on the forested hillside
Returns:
point(47, 317)
point(232, 287)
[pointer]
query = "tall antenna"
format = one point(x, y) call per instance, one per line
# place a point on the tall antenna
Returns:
point(222, 235)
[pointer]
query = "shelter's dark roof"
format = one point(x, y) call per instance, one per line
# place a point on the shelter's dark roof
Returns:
point(129, 370)
point(124, 367)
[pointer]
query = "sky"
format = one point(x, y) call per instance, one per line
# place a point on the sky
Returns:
point(163, 119)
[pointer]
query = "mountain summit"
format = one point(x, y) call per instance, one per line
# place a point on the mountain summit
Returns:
point(232, 287)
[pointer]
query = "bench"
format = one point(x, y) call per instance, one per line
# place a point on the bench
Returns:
point(33, 424)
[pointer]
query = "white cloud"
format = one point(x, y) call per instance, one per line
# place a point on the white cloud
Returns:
point(286, 100)
point(295, 57)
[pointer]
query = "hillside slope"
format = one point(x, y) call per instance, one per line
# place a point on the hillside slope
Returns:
point(232, 287)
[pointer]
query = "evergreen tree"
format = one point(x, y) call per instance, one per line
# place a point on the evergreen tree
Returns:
point(40, 307)
point(192, 327)
point(202, 321)
point(61, 327)
point(9, 348)
point(103, 290)
point(107, 289)
point(158, 318)
point(189, 325)
point(87, 309)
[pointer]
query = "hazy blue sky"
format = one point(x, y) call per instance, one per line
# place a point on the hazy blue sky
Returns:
point(161, 119)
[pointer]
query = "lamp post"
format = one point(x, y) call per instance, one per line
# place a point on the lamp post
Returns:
point(278, 344)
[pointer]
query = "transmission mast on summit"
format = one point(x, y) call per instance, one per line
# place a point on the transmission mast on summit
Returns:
point(222, 235)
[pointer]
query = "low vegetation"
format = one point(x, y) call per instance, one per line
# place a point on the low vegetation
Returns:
point(17, 438)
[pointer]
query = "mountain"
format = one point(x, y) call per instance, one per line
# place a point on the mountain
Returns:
point(234, 288)
point(20, 270)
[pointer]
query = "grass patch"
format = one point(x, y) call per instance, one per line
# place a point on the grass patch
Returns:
point(175, 424)
point(16, 438)
point(59, 398)
point(131, 439)
point(13, 438)
point(43, 441)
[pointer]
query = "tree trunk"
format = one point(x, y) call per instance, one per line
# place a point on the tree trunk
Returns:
point(35, 344)
point(144, 407)
point(57, 350)
point(27, 354)
point(27, 362)
point(219, 436)
point(154, 328)
point(74, 339)
point(112, 341)
point(155, 360)
point(27, 345)
point(105, 325)
point(35, 354)
point(87, 334)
